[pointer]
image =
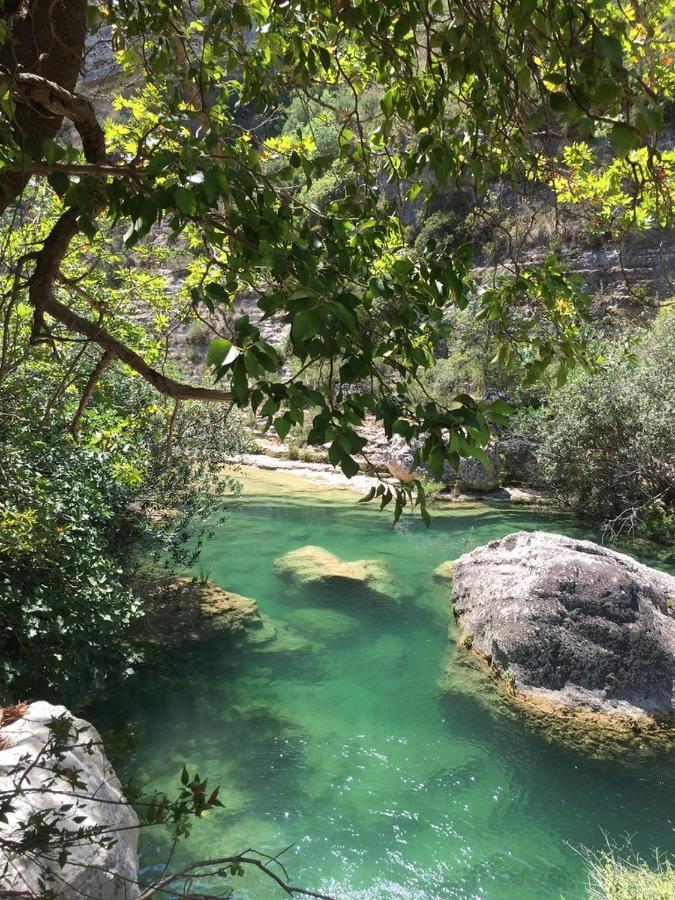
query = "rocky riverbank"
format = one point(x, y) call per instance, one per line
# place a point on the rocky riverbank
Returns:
point(60, 794)
point(302, 476)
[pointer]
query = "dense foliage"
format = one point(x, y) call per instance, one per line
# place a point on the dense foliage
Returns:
point(394, 102)
point(84, 525)
point(607, 441)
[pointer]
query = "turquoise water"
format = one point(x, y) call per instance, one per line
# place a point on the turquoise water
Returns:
point(337, 738)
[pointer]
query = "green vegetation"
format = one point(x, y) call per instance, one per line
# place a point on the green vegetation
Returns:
point(84, 525)
point(616, 877)
point(375, 107)
point(393, 185)
point(607, 442)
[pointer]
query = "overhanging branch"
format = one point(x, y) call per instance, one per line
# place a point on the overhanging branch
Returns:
point(49, 97)
point(96, 333)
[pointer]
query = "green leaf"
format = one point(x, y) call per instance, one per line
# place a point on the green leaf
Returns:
point(609, 47)
point(239, 382)
point(369, 496)
point(221, 352)
point(59, 182)
point(349, 466)
point(623, 139)
point(217, 291)
point(324, 56)
point(184, 200)
point(282, 426)
point(649, 118)
point(304, 325)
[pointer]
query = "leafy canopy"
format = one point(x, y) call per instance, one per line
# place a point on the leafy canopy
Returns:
point(466, 93)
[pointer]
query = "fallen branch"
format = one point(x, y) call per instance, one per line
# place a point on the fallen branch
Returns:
point(226, 861)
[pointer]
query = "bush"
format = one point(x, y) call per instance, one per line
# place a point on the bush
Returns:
point(614, 878)
point(445, 229)
point(64, 604)
point(468, 363)
point(83, 524)
point(607, 440)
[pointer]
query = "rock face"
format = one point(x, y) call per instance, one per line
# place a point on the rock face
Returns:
point(519, 461)
point(474, 476)
point(402, 454)
point(101, 868)
point(571, 623)
point(311, 566)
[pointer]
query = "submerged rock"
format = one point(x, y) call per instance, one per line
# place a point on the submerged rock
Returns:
point(275, 636)
point(445, 571)
point(322, 624)
point(45, 747)
point(183, 609)
point(312, 566)
point(570, 625)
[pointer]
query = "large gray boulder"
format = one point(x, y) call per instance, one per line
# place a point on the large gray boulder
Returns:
point(402, 454)
point(571, 623)
point(65, 780)
point(472, 475)
point(519, 461)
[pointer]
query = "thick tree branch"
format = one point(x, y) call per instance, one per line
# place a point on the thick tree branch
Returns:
point(96, 333)
point(49, 97)
point(45, 37)
point(57, 100)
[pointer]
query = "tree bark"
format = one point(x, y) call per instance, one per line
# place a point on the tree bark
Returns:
point(46, 38)
point(89, 388)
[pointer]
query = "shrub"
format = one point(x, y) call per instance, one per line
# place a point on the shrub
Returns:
point(64, 604)
point(614, 878)
point(445, 228)
point(607, 441)
point(84, 523)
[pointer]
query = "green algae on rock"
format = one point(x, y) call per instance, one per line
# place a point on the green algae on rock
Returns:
point(312, 566)
point(571, 632)
point(595, 734)
point(324, 625)
point(182, 609)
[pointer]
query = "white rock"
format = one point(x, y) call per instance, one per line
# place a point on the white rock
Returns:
point(92, 870)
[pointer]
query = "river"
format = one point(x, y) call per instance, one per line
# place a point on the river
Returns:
point(339, 740)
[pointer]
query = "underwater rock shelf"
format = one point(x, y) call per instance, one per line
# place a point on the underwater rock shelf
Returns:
point(312, 566)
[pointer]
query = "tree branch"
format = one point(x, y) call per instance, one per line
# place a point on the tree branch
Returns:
point(240, 859)
point(47, 96)
point(96, 333)
point(92, 381)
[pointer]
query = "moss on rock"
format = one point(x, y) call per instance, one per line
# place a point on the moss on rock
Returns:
point(182, 609)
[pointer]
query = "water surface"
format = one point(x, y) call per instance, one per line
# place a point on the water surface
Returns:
point(338, 739)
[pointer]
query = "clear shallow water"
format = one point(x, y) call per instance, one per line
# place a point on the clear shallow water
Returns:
point(347, 748)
